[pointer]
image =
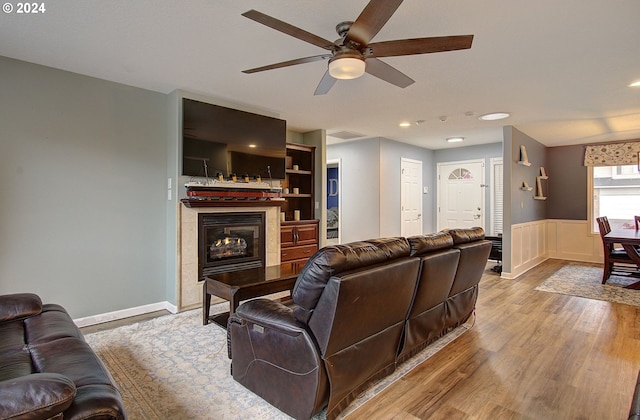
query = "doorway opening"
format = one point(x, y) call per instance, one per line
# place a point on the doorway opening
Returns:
point(334, 202)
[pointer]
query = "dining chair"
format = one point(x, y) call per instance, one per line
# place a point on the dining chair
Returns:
point(637, 220)
point(614, 259)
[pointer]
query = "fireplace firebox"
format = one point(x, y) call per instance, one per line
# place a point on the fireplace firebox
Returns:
point(230, 242)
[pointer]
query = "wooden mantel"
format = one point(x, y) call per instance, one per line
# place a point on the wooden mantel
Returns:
point(195, 203)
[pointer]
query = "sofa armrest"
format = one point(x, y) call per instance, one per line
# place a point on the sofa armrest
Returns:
point(271, 314)
point(38, 396)
point(276, 357)
point(19, 305)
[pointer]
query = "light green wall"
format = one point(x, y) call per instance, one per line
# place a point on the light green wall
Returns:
point(83, 169)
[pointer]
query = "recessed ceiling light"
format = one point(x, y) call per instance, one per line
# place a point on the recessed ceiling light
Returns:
point(635, 84)
point(455, 139)
point(405, 124)
point(494, 116)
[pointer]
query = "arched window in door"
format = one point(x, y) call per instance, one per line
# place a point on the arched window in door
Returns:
point(460, 173)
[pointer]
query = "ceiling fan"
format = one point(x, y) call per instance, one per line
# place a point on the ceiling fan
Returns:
point(352, 55)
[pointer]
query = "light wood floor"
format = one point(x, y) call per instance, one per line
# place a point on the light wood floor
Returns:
point(530, 355)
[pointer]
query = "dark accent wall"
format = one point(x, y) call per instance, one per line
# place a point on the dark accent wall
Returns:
point(567, 183)
point(523, 207)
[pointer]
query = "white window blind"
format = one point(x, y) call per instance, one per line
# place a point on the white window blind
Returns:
point(497, 205)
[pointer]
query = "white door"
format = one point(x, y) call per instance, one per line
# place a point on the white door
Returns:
point(411, 197)
point(461, 194)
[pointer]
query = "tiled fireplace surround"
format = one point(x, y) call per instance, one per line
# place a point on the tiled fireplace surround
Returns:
point(190, 290)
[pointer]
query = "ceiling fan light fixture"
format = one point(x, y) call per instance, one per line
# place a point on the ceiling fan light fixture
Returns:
point(346, 67)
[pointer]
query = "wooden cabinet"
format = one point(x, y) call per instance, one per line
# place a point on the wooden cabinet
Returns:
point(298, 238)
point(298, 241)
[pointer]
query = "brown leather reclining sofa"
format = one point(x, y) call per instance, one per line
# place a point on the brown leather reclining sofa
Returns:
point(47, 370)
point(357, 310)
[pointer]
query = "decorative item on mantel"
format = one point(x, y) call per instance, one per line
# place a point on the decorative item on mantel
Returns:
point(215, 192)
point(524, 159)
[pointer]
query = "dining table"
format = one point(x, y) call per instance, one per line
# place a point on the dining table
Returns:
point(630, 241)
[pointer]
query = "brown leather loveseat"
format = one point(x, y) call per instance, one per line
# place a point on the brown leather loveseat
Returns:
point(47, 370)
point(357, 311)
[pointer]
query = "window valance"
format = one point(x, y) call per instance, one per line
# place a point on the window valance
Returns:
point(612, 154)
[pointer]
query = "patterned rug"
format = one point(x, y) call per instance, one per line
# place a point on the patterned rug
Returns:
point(586, 281)
point(173, 367)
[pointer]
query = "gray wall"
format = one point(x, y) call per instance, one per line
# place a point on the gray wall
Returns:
point(483, 151)
point(360, 188)
point(568, 195)
point(83, 197)
point(371, 186)
point(519, 205)
point(523, 207)
point(391, 153)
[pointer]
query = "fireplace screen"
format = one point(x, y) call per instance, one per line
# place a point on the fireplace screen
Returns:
point(230, 241)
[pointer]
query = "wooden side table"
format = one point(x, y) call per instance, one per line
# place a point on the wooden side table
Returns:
point(236, 286)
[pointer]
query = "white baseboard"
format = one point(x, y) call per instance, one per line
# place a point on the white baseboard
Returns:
point(125, 313)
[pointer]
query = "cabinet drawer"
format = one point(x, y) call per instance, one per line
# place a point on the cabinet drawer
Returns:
point(297, 252)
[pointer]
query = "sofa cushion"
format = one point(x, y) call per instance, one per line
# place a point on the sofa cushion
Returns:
point(335, 259)
point(19, 305)
point(463, 236)
point(37, 396)
point(53, 323)
point(423, 244)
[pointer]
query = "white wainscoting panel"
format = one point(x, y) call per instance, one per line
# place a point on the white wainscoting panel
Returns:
point(573, 240)
point(534, 242)
point(528, 247)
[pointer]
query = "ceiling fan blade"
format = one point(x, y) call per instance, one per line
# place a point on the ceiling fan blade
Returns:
point(326, 83)
point(420, 45)
point(371, 20)
point(289, 63)
point(288, 29)
point(384, 71)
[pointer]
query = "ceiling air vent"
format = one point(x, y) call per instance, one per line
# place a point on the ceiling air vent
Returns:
point(345, 135)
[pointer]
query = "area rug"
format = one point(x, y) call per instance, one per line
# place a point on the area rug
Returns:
point(173, 367)
point(586, 281)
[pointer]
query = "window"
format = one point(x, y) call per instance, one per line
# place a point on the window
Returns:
point(616, 194)
point(497, 196)
point(461, 173)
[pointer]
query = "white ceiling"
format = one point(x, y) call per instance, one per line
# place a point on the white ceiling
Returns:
point(560, 67)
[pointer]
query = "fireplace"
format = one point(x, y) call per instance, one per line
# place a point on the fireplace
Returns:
point(230, 242)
